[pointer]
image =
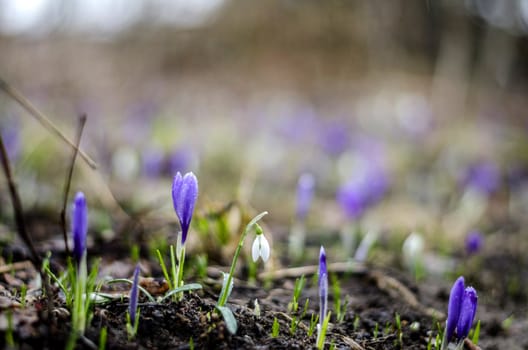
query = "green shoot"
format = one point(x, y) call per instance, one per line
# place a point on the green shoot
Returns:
point(102, 338)
point(376, 330)
point(164, 268)
point(299, 285)
point(275, 328)
point(399, 329)
point(321, 335)
point(191, 343)
point(132, 328)
point(355, 325)
point(313, 324)
point(297, 319)
point(9, 338)
point(23, 294)
point(476, 334)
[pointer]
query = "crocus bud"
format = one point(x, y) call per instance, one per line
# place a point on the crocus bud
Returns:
point(453, 311)
point(184, 195)
point(305, 189)
point(79, 223)
point(468, 309)
point(323, 285)
point(134, 294)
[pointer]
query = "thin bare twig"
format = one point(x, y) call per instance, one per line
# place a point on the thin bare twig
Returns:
point(21, 226)
point(82, 122)
point(45, 121)
point(17, 208)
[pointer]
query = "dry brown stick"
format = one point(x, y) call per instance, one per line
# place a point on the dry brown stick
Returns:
point(391, 285)
point(82, 122)
point(17, 207)
point(21, 225)
point(19, 265)
point(349, 266)
point(45, 121)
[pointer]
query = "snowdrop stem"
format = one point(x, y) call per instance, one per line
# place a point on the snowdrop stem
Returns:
point(223, 296)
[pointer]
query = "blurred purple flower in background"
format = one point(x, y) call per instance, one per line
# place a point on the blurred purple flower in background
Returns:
point(474, 242)
point(352, 198)
point(11, 138)
point(364, 189)
point(152, 162)
point(334, 137)
point(182, 160)
point(483, 177)
point(305, 191)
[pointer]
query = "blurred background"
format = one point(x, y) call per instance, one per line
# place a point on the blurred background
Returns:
point(410, 115)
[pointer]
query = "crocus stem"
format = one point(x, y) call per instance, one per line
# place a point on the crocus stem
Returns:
point(173, 267)
point(223, 297)
point(179, 281)
point(79, 312)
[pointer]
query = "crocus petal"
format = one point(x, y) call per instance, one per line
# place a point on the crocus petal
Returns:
point(132, 306)
point(184, 196)
point(455, 301)
point(79, 222)
point(468, 309)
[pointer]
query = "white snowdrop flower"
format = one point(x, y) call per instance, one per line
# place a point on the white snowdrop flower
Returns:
point(260, 248)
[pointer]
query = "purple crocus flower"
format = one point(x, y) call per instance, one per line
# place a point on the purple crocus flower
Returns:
point(134, 293)
point(461, 312)
point(323, 286)
point(334, 137)
point(483, 177)
point(184, 195)
point(11, 138)
point(152, 159)
point(453, 310)
point(79, 223)
point(352, 198)
point(468, 309)
point(305, 190)
point(474, 242)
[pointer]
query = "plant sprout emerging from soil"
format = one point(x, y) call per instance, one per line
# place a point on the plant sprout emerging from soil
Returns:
point(460, 314)
point(305, 191)
point(227, 285)
point(184, 196)
point(133, 312)
point(324, 318)
point(412, 250)
point(81, 303)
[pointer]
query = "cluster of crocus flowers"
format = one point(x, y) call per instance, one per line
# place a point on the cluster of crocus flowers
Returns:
point(460, 314)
